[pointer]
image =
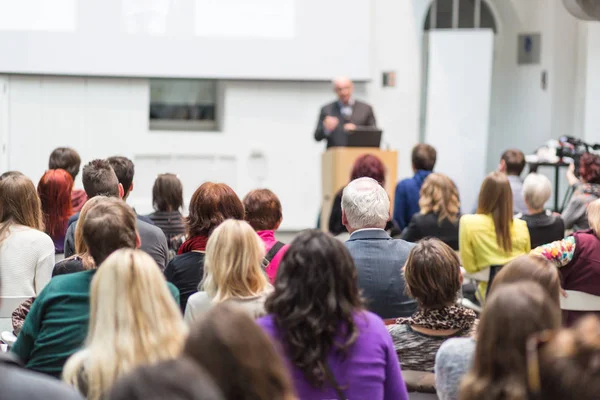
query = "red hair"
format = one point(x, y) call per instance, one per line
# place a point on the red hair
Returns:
point(368, 166)
point(54, 190)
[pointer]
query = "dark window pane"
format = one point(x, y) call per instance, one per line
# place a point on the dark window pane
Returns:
point(487, 17)
point(444, 14)
point(466, 14)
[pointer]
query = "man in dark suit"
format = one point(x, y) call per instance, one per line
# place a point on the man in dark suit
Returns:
point(379, 259)
point(338, 119)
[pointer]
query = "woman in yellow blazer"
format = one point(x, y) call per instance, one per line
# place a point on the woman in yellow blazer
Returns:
point(492, 236)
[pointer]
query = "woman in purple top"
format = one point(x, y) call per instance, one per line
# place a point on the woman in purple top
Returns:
point(334, 348)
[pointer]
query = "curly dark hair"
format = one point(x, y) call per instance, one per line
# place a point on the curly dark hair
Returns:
point(369, 166)
point(589, 168)
point(316, 292)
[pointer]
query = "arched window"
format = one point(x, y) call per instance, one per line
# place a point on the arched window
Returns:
point(459, 14)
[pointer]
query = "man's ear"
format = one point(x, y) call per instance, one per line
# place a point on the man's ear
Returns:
point(121, 191)
point(130, 188)
point(502, 166)
point(138, 240)
point(278, 224)
point(344, 219)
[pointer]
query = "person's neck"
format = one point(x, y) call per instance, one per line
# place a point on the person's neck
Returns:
point(434, 332)
point(533, 211)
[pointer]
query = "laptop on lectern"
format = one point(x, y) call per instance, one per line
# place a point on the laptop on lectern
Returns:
point(364, 136)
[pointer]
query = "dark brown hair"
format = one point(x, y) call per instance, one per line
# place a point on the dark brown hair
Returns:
point(125, 170)
point(180, 379)
point(589, 168)
point(495, 198)
point(19, 204)
point(570, 363)
point(211, 204)
point(99, 179)
point(316, 293)
point(424, 157)
point(514, 160)
point(512, 313)
point(432, 274)
point(109, 225)
point(65, 158)
point(167, 193)
point(533, 268)
point(263, 210)
point(238, 355)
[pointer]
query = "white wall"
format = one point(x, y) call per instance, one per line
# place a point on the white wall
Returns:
point(103, 117)
point(591, 118)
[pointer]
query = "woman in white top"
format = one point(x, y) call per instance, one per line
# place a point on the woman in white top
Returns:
point(26, 252)
point(232, 272)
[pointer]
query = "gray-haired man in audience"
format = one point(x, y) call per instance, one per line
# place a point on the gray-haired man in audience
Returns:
point(379, 259)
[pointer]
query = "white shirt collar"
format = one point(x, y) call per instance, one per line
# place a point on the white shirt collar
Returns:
point(367, 229)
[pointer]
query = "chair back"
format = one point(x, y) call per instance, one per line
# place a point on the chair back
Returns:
point(579, 301)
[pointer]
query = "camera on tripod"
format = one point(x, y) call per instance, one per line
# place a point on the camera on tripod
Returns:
point(574, 148)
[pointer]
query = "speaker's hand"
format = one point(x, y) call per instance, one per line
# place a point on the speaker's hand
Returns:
point(349, 127)
point(330, 123)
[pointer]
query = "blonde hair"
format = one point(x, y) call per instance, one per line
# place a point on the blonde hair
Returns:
point(233, 263)
point(134, 321)
point(439, 195)
point(593, 214)
point(537, 189)
point(81, 248)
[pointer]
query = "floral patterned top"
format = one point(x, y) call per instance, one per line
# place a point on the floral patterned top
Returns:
point(559, 252)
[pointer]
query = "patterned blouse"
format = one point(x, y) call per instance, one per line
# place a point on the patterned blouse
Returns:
point(559, 252)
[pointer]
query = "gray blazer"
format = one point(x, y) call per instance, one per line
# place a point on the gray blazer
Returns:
point(362, 115)
point(379, 260)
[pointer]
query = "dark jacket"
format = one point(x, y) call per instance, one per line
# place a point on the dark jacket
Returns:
point(379, 260)
point(583, 272)
point(422, 226)
point(185, 272)
point(20, 384)
point(544, 227)
point(362, 115)
point(406, 200)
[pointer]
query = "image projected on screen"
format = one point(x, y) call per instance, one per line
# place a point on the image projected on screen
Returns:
point(38, 15)
point(271, 19)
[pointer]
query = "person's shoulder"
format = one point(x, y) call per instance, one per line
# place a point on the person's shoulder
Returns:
point(31, 235)
point(21, 384)
point(68, 266)
point(328, 106)
point(267, 323)
point(456, 347)
point(520, 224)
point(67, 282)
point(402, 244)
point(148, 229)
point(199, 300)
point(73, 218)
point(476, 220)
point(362, 104)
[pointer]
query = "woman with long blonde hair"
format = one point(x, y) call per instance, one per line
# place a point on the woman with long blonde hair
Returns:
point(492, 237)
point(233, 271)
point(26, 252)
point(439, 205)
point(134, 321)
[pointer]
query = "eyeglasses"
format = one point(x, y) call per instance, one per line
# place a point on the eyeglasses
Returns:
point(533, 359)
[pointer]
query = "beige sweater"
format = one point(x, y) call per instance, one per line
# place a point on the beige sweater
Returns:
point(199, 303)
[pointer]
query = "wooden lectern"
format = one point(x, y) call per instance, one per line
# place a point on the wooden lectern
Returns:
point(336, 167)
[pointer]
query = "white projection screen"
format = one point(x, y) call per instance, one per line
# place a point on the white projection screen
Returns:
point(235, 39)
